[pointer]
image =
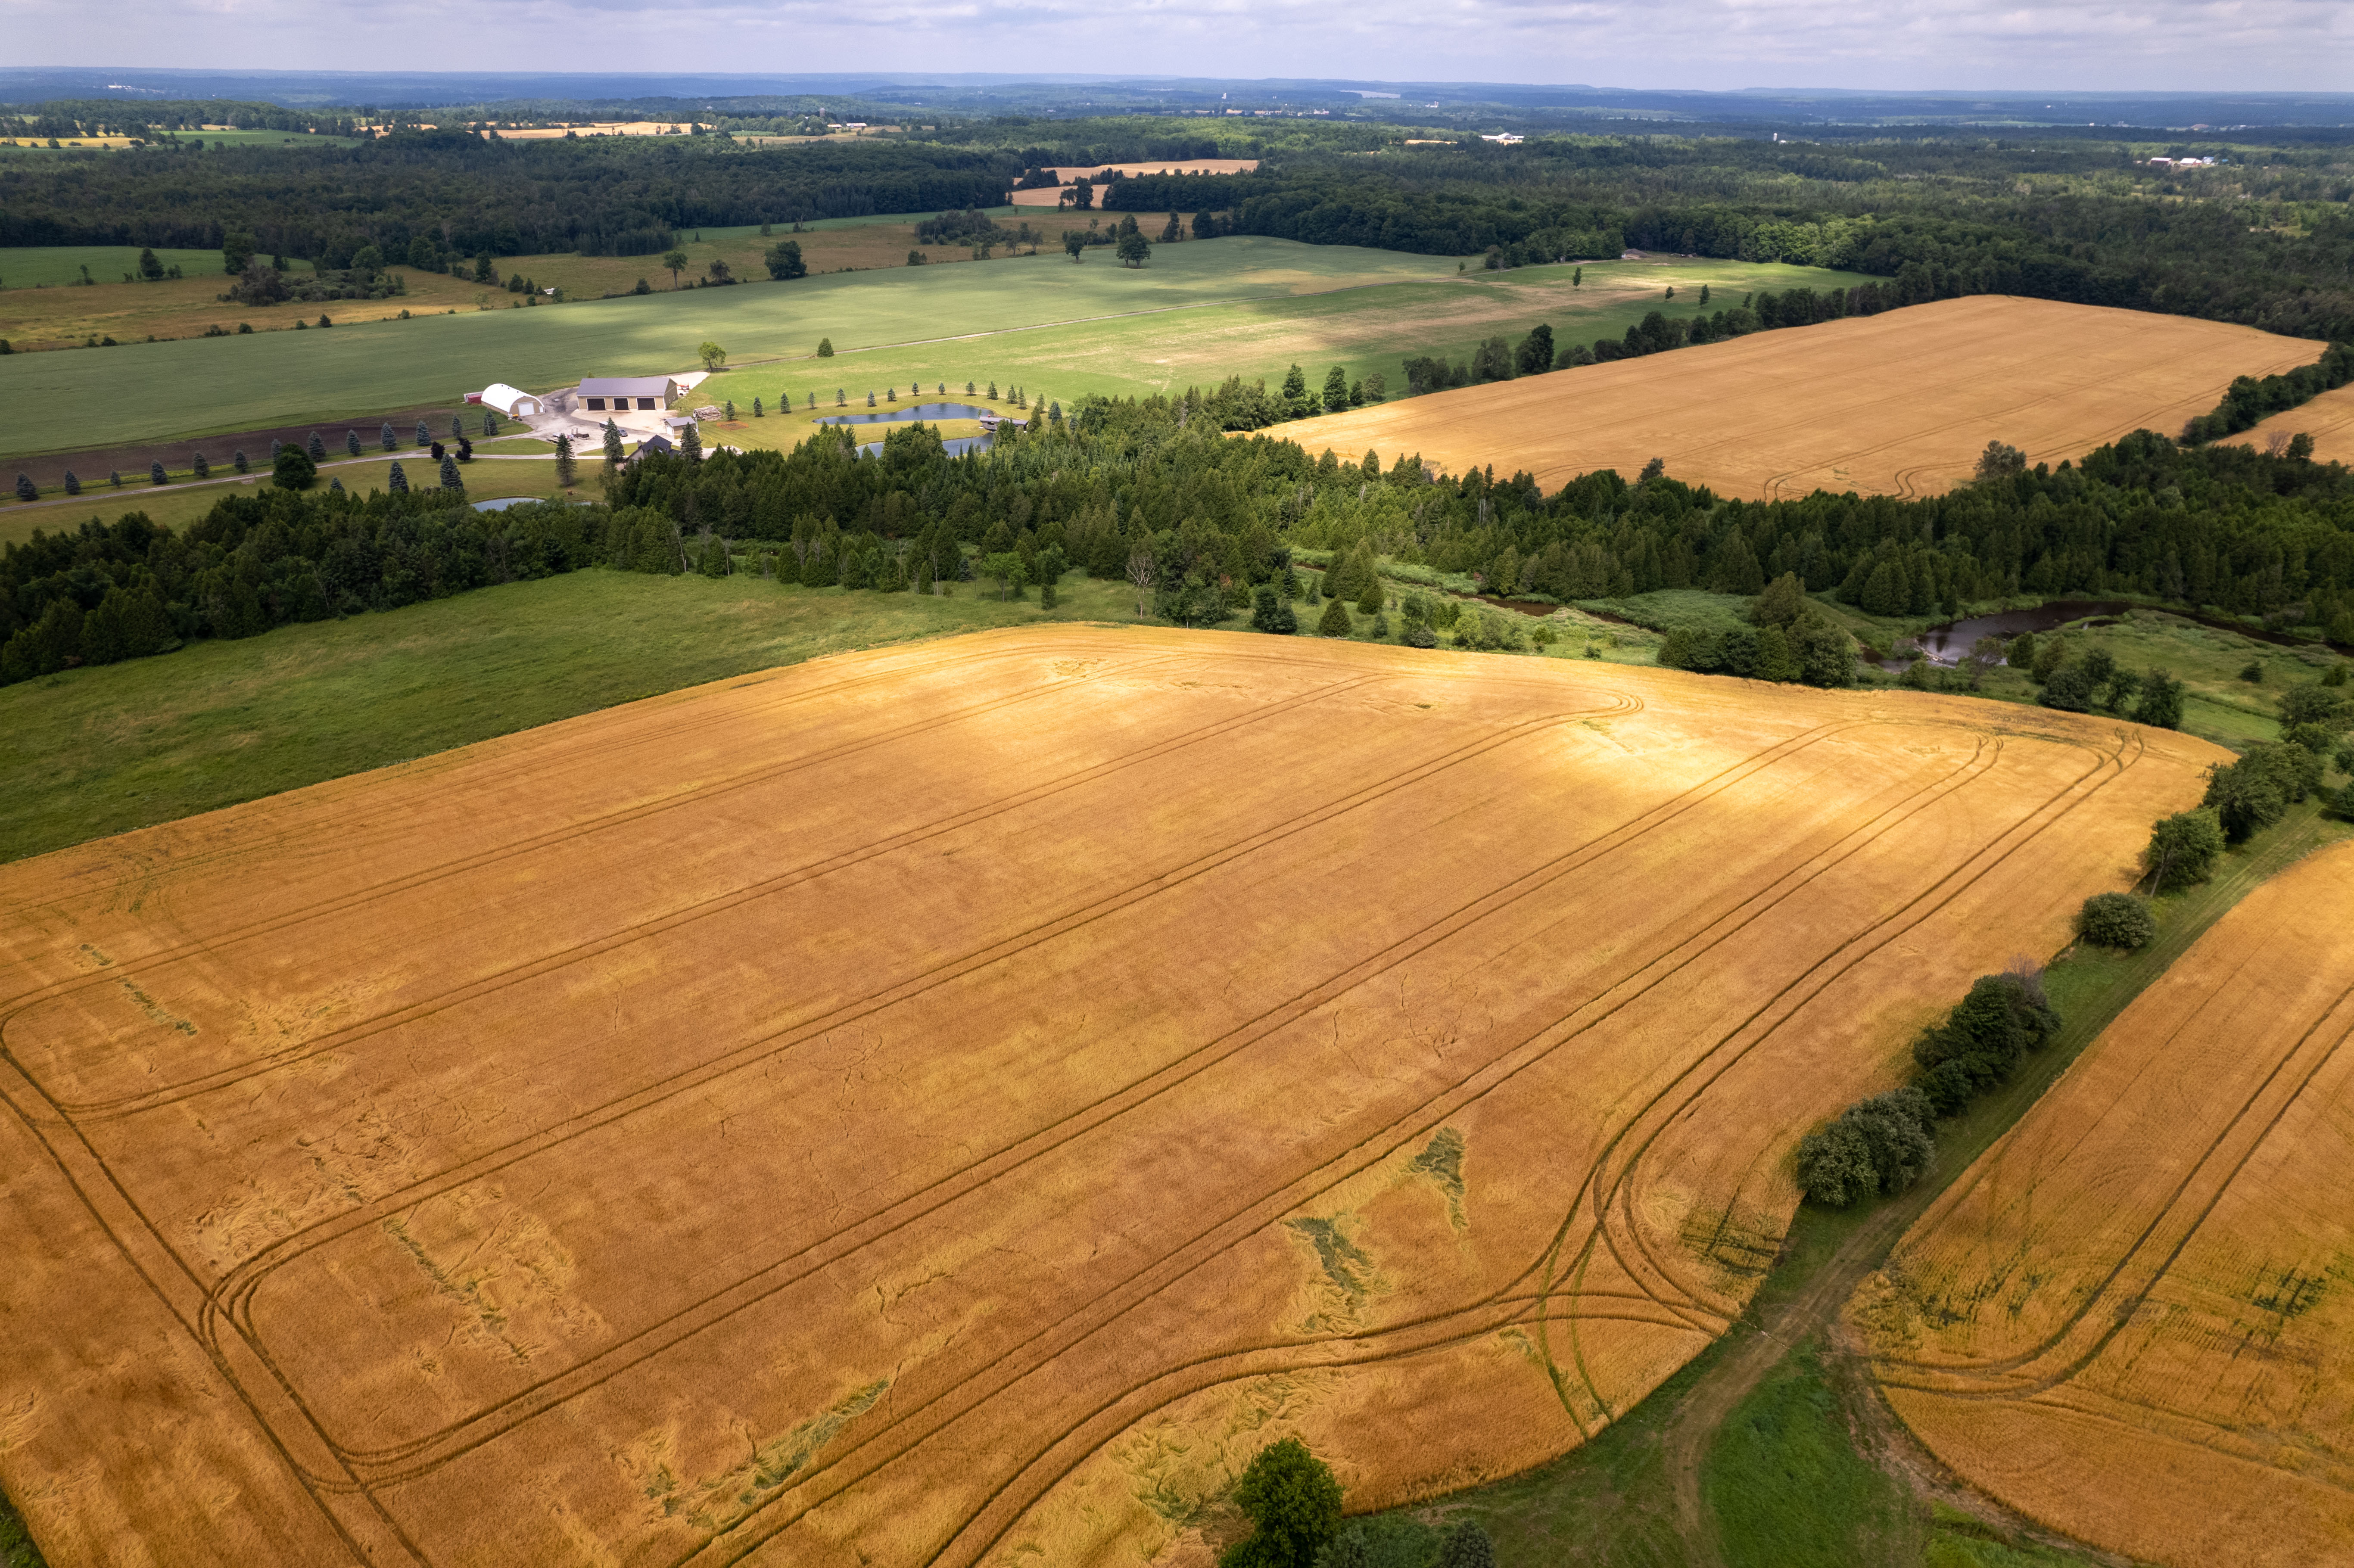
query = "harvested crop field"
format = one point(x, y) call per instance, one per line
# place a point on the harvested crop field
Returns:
point(2132, 1319)
point(953, 1103)
point(1897, 404)
point(2328, 419)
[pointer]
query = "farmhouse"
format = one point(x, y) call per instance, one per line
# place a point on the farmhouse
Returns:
point(512, 401)
point(618, 394)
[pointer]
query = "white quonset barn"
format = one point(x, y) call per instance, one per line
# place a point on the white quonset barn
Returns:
point(512, 401)
point(623, 394)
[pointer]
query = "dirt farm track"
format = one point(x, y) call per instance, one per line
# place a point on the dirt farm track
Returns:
point(955, 1104)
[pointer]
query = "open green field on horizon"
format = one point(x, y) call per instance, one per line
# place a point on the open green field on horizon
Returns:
point(1362, 330)
point(57, 266)
point(1239, 305)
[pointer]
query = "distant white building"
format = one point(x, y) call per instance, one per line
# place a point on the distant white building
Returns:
point(1505, 139)
point(512, 401)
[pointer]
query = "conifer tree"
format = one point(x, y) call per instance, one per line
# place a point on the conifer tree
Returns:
point(1335, 620)
point(391, 441)
point(202, 466)
point(449, 480)
point(424, 435)
point(397, 482)
point(612, 444)
point(352, 442)
point(1370, 598)
point(155, 474)
point(317, 448)
point(565, 469)
point(73, 485)
point(690, 441)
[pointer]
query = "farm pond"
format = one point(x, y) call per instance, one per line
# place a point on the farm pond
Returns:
point(929, 413)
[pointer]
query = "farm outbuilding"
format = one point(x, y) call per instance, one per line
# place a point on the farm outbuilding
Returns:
point(618, 394)
point(512, 401)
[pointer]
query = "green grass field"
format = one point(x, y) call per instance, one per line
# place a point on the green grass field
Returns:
point(178, 504)
point(1202, 311)
point(55, 266)
point(98, 751)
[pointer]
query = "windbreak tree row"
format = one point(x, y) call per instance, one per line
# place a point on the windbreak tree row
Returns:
point(1153, 490)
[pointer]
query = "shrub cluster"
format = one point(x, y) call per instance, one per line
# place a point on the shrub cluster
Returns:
point(1883, 1144)
point(2116, 920)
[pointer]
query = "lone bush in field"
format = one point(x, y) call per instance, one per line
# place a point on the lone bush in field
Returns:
point(1467, 1546)
point(2116, 920)
point(1290, 1495)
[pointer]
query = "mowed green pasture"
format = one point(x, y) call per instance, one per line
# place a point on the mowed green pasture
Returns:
point(102, 750)
point(54, 266)
point(1202, 311)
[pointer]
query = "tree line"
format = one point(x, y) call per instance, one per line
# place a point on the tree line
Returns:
point(1213, 518)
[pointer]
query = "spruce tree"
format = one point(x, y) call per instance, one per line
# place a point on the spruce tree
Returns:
point(352, 442)
point(565, 470)
point(612, 444)
point(391, 441)
point(489, 421)
point(155, 474)
point(398, 481)
point(1336, 390)
point(202, 466)
point(449, 480)
point(424, 435)
point(690, 442)
point(1335, 620)
point(114, 477)
point(73, 485)
point(1370, 599)
point(756, 407)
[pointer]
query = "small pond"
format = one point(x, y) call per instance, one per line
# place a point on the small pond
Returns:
point(1950, 643)
point(503, 502)
point(930, 413)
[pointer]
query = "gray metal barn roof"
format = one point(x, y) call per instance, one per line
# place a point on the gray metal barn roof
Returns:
point(627, 387)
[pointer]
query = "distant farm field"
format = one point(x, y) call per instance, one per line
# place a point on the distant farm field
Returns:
point(1202, 311)
point(2132, 1318)
point(2328, 419)
point(1896, 404)
point(952, 1104)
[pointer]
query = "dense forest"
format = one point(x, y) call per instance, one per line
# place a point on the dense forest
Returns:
point(1124, 489)
point(466, 196)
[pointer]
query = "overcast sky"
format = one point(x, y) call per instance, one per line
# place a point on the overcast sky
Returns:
point(2088, 45)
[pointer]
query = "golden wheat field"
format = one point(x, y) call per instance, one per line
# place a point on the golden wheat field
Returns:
point(1897, 404)
point(2328, 419)
point(955, 1104)
point(2134, 1319)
